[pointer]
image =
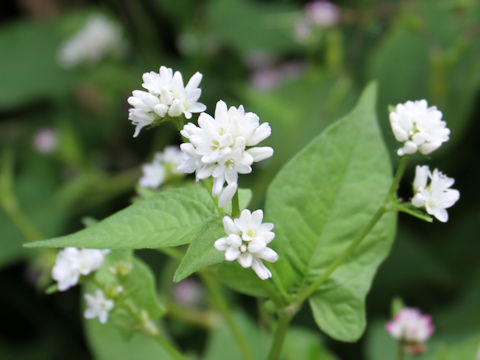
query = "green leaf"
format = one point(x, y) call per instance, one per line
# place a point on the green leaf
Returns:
point(319, 202)
point(169, 218)
point(302, 343)
point(268, 29)
point(139, 284)
point(221, 341)
point(24, 80)
point(106, 343)
point(242, 280)
point(201, 252)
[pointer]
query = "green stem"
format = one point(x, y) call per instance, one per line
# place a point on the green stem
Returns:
point(279, 336)
point(403, 208)
point(207, 319)
point(402, 166)
point(9, 202)
point(401, 351)
point(273, 295)
point(149, 328)
point(222, 305)
point(235, 206)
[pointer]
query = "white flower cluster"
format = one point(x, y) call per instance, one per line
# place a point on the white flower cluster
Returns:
point(246, 241)
point(97, 39)
point(98, 306)
point(419, 127)
point(223, 147)
point(432, 192)
point(163, 164)
point(165, 96)
point(411, 325)
point(71, 263)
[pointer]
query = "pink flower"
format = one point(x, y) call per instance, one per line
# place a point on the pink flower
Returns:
point(322, 13)
point(410, 326)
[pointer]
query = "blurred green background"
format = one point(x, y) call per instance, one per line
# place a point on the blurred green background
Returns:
point(253, 53)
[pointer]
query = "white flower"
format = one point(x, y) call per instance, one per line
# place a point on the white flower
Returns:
point(98, 306)
point(419, 127)
point(153, 174)
point(164, 164)
point(97, 39)
point(435, 196)
point(71, 263)
point(411, 325)
point(223, 147)
point(246, 241)
point(166, 96)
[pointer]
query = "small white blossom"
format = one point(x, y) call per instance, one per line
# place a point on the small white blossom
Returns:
point(71, 263)
point(165, 96)
point(246, 241)
point(419, 127)
point(98, 306)
point(434, 195)
point(223, 147)
point(97, 39)
point(164, 164)
point(411, 326)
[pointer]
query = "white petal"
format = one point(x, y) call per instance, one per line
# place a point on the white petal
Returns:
point(260, 153)
point(268, 254)
point(245, 260)
point(229, 225)
point(194, 81)
point(221, 244)
point(232, 254)
point(227, 195)
point(261, 270)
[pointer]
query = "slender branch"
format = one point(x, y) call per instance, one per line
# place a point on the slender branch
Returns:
point(401, 351)
point(407, 210)
point(279, 336)
point(402, 166)
point(9, 202)
point(207, 319)
point(277, 300)
point(222, 305)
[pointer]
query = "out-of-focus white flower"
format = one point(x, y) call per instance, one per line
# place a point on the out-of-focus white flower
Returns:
point(71, 263)
point(166, 96)
point(268, 77)
point(164, 164)
point(223, 147)
point(246, 241)
point(45, 140)
point(96, 40)
point(322, 13)
point(434, 195)
point(419, 127)
point(153, 174)
point(188, 292)
point(98, 306)
point(411, 326)
point(302, 31)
